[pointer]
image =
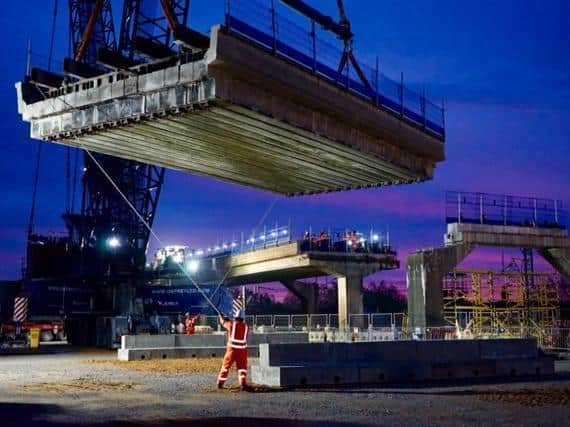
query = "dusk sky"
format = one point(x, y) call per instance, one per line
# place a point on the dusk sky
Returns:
point(503, 68)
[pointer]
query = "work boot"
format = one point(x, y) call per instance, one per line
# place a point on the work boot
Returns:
point(220, 386)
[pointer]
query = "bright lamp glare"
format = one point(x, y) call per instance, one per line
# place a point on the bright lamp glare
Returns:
point(193, 266)
point(113, 242)
point(376, 237)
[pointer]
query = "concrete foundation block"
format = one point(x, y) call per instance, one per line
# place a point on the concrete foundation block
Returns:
point(507, 349)
point(128, 355)
point(372, 375)
point(206, 340)
point(525, 367)
point(436, 351)
point(148, 341)
point(400, 361)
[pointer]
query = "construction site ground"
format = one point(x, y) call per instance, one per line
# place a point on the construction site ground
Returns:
point(92, 388)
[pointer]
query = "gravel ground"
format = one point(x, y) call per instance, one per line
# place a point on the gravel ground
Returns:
point(88, 388)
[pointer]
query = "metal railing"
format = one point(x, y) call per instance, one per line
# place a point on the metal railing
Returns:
point(262, 22)
point(502, 209)
point(344, 241)
point(390, 326)
point(314, 322)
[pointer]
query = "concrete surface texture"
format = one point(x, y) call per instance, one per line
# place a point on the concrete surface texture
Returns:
point(82, 393)
point(315, 364)
point(424, 278)
point(506, 236)
point(152, 347)
point(427, 268)
point(287, 129)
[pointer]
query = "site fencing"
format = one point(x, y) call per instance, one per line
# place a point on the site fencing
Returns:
point(502, 209)
point(392, 326)
point(262, 22)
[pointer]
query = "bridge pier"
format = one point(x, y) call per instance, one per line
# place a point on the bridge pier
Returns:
point(559, 259)
point(424, 276)
point(349, 298)
point(307, 294)
point(427, 269)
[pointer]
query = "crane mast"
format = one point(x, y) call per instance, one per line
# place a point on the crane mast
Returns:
point(105, 217)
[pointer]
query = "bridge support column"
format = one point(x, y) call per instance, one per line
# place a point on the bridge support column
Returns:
point(307, 294)
point(559, 259)
point(349, 298)
point(425, 273)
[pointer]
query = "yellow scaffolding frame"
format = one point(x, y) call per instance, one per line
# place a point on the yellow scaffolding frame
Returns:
point(486, 303)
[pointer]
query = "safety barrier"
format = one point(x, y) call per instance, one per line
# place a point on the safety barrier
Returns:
point(390, 326)
point(503, 209)
point(264, 24)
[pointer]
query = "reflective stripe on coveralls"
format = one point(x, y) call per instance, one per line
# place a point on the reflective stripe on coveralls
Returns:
point(235, 342)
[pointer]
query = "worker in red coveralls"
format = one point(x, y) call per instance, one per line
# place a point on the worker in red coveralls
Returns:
point(190, 323)
point(236, 349)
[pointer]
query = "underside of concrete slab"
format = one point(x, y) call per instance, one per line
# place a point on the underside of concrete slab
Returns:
point(240, 115)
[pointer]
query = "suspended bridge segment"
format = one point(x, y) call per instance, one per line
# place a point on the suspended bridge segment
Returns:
point(251, 109)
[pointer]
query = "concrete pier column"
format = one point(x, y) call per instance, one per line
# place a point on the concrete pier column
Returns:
point(308, 295)
point(559, 259)
point(425, 274)
point(349, 298)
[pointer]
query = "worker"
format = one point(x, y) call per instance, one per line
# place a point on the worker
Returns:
point(236, 351)
point(190, 323)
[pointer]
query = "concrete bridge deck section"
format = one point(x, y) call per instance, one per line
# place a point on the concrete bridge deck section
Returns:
point(306, 365)
point(241, 115)
point(288, 264)
point(426, 269)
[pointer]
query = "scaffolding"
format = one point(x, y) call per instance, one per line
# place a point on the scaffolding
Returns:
point(511, 303)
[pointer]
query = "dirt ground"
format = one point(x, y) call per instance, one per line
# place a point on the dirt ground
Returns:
point(77, 386)
point(95, 390)
point(168, 367)
point(528, 397)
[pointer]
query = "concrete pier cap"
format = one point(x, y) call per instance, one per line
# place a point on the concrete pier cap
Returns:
point(289, 263)
point(427, 268)
point(237, 114)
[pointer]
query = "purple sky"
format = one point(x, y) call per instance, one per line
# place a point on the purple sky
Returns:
point(502, 67)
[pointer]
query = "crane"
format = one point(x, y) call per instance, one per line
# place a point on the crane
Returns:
point(342, 29)
point(106, 229)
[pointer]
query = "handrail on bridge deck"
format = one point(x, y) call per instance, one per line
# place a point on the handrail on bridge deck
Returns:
point(503, 209)
point(261, 23)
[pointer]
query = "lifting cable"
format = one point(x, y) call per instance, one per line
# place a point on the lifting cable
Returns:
point(52, 41)
point(152, 232)
point(263, 219)
point(148, 227)
point(39, 152)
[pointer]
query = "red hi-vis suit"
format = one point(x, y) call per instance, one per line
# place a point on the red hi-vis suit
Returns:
point(190, 324)
point(236, 351)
